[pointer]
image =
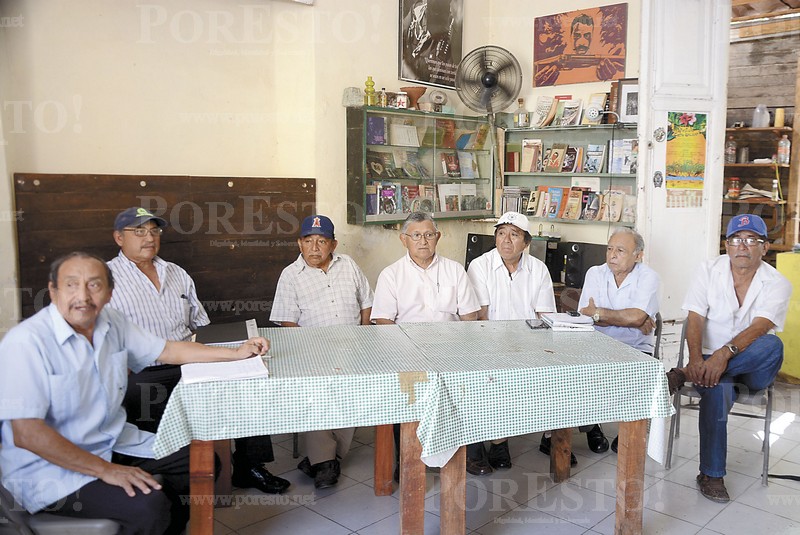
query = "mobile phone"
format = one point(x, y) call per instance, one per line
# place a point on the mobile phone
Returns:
point(573, 313)
point(536, 324)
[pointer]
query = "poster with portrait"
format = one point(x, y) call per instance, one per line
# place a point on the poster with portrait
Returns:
point(430, 41)
point(587, 45)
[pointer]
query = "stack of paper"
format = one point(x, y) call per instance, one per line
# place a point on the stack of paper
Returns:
point(201, 372)
point(566, 322)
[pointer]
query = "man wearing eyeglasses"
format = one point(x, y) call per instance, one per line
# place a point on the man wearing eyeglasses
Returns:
point(422, 286)
point(322, 288)
point(160, 297)
point(735, 304)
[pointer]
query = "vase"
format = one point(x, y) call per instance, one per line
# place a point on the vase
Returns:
point(414, 92)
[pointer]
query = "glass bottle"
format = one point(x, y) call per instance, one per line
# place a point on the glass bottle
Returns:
point(776, 194)
point(383, 99)
point(784, 148)
point(521, 119)
point(370, 98)
point(730, 150)
point(734, 188)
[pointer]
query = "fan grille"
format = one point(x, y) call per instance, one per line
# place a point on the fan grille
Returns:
point(488, 79)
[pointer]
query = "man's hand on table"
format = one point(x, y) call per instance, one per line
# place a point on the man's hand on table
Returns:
point(254, 346)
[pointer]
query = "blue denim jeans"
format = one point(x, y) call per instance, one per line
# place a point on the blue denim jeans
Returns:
point(753, 369)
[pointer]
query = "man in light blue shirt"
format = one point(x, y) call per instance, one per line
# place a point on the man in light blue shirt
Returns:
point(66, 446)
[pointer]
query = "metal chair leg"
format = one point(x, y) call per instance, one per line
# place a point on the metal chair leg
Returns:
point(295, 446)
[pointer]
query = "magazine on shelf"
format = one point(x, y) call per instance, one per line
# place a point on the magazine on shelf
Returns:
point(595, 159)
point(571, 114)
point(468, 164)
point(544, 111)
point(555, 158)
point(531, 155)
point(376, 130)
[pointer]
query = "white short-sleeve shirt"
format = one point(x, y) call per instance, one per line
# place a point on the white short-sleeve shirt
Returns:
point(711, 295)
point(512, 296)
point(406, 292)
point(639, 290)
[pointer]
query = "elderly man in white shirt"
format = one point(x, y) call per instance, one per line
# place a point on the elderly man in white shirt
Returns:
point(735, 305)
point(510, 285)
point(622, 298)
point(422, 286)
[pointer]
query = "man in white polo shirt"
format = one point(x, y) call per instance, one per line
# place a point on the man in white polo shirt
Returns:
point(622, 298)
point(735, 304)
point(510, 285)
point(422, 286)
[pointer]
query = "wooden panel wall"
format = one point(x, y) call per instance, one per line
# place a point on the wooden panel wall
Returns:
point(762, 71)
point(233, 235)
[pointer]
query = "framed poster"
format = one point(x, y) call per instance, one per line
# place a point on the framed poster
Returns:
point(430, 41)
point(628, 102)
point(587, 45)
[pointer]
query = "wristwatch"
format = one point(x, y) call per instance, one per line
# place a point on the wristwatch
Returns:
point(596, 316)
point(732, 348)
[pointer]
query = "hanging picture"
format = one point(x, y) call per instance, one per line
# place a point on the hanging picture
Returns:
point(628, 101)
point(685, 159)
point(430, 41)
point(587, 45)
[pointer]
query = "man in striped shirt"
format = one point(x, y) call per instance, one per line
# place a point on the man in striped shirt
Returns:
point(161, 298)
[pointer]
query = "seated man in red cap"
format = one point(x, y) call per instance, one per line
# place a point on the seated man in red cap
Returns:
point(322, 288)
point(735, 304)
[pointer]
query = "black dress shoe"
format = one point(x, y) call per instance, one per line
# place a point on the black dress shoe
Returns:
point(544, 447)
point(479, 467)
point(499, 456)
point(306, 468)
point(614, 444)
point(258, 477)
point(326, 474)
point(597, 441)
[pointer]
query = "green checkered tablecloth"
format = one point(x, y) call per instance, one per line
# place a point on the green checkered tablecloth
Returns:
point(463, 382)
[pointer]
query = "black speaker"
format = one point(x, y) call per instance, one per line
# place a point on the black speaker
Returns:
point(477, 244)
point(579, 258)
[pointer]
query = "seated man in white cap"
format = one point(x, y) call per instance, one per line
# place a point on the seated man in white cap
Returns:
point(510, 285)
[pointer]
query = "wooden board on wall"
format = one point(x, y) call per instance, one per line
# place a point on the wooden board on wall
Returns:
point(233, 235)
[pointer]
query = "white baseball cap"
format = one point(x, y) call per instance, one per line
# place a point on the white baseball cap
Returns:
point(516, 219)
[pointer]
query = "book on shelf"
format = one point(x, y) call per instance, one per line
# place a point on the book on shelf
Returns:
point(543, 112)
point(426, 202)
point(468, 198)
point(531, 155)
point(544, 204)
point(556, 198)
point(371, 192)
point(450, 165)
point(481, 135)
point(591, 183)
point(598, 101)
point(595, 159)
point(449, 200)
point(572, 208)
point(512, 161)
point(555, 158)
point(468, 164)
point(613, 102)
point(611, 206)
point(634, 164)
point(403, 135)
point(590, 205)
point(380, 165)
point(559, 104)
point(571, 114)
point(628, 209)
point(448, 130)
point(387, 198)
point(620, 154)
point(376, 130)
point(408, 196)
point(571, 159)
point(533, 202)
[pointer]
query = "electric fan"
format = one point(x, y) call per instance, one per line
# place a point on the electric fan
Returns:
point(489, 79)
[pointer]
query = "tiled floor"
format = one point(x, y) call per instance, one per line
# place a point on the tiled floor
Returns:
point(525, 500)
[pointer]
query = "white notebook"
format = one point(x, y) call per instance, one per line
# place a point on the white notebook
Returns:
point(566, 322)
point(200, 372)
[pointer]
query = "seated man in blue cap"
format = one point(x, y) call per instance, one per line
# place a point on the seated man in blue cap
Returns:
point(322, 288)
point(161, 298)
point(735, 304)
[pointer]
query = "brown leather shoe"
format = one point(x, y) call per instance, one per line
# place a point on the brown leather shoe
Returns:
point(713, 488)
point(675, 379)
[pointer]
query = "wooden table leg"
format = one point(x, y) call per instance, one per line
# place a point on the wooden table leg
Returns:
point(223, 486)
point(412, 481)
point(560, 453)
point(384, 459)
point(630, 477)
point(201, 485)
point(454, 494)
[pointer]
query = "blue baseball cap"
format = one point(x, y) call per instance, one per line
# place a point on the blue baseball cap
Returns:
point(317, 224)
point(136, 217)
point(747, 222)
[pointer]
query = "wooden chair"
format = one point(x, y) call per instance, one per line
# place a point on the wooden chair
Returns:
point(761, 398)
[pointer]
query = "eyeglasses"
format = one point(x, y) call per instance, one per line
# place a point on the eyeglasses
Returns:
point(429, 236)
point(141, 232)
point(750, 242)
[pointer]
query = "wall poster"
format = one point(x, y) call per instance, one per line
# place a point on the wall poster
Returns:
point(686, 159)
point(430, 41)
point(587, 45)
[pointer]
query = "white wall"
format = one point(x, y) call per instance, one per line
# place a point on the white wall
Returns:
point(218, 87)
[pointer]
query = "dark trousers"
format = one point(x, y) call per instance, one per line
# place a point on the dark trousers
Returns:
point(161, 511)
point(146, 400)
